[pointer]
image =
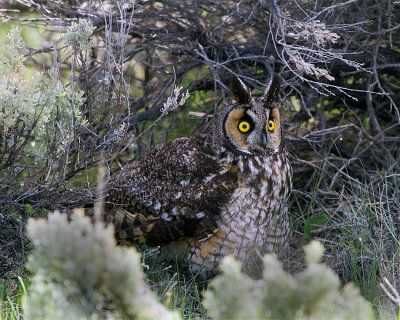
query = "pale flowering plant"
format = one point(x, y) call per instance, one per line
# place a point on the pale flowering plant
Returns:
point(176, 100)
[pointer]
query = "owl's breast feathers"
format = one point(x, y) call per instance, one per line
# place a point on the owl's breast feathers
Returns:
point(176, 191)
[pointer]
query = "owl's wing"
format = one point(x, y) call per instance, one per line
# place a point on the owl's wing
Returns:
point(172, 192)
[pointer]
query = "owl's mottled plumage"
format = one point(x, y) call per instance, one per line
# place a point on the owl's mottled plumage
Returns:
point(221, 191)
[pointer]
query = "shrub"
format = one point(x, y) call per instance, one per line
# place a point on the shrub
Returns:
point(79, 273)
point(311, 294)
point(38, 113)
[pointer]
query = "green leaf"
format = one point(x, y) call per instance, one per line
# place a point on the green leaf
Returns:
point(314, 223)
point(29, 209)
point(2, 291)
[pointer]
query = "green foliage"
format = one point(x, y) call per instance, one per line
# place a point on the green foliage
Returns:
point(79, 273)
point(177, 288)
point(11, 305)
point(38, 114)
point(362, 233)
point(312, 294)
point(314, 223)
point(19, 96)
point(78, 35)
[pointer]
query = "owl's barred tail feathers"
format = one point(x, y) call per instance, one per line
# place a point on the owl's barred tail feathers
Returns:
point(136, 228)
point(129, 227)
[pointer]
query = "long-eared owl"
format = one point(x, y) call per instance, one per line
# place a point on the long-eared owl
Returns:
point(221, 191)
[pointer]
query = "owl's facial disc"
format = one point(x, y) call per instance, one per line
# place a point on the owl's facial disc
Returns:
point(252, 131)
point(253, 125)
point(244, 131)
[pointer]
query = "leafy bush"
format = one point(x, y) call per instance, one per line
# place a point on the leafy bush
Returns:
point(81, 274)
point(38, 114)
point(39, 119)
point(311, 294)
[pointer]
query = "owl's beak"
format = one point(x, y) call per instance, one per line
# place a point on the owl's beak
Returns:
point(263, 139)
point(261, 142)
point(258, 140)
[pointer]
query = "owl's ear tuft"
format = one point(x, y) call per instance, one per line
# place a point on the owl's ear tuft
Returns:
point(272, 91)
point(239, 90)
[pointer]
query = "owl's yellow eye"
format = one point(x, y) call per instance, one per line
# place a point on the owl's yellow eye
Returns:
point(244, 126)
point(271, 125)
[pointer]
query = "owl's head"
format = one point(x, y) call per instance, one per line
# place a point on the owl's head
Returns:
point(252, 125)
